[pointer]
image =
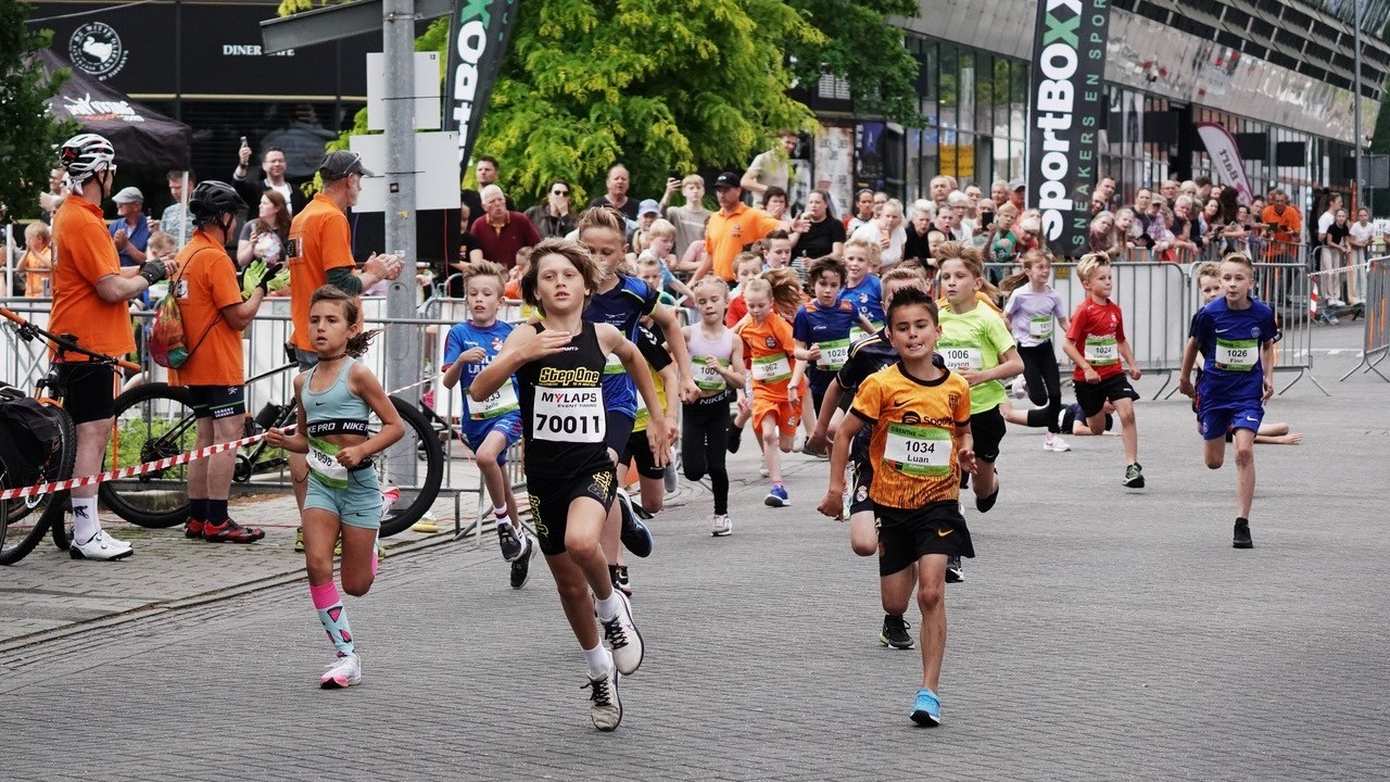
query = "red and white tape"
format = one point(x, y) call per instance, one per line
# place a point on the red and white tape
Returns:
point(154, 466)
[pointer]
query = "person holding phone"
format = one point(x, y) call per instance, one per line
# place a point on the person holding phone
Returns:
point(273, 166)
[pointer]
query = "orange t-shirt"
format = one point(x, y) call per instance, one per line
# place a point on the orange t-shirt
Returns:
point(727, 234)
point(768, 348)
point(83, 254)
point(319, 240)
point(1286, 226)
point(206, 282)
point(913, 446)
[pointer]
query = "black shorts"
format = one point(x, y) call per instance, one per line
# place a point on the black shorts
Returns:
point(640, 450)
point(617, 432)
point(907, 535)
point(863, 473)
point(218, 401)
point(87, 390)
point(551, 498)
point(987, 429)
point(1093, 396)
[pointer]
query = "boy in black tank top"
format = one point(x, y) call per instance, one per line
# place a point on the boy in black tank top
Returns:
point(558, 363)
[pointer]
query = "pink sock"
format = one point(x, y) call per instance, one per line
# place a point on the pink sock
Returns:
point(374, 561)
point(324, 595)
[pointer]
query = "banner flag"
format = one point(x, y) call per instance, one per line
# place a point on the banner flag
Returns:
point(478, 34)
point(1226, 160)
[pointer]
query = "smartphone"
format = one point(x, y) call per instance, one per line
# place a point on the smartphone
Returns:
point(243, 141)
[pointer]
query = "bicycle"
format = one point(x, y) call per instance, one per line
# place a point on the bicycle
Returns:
point(24, 521)
point(155, 421)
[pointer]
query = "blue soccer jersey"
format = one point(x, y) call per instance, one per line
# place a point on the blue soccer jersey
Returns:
point(622, 307)
point(1230, 341)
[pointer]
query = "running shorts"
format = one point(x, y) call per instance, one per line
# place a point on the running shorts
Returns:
point(358, 505)
point(907, 535)
point(550, 503)
point(1093, 396)
point(217, 402)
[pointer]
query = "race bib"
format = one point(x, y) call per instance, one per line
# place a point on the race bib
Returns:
point(706, 378)
point(502, 401)
point(323, 463)
point(856, 333)
point(771, 369)
point(1040, 327)
point(962, 359)
point(918, 450)
point(612, 365)
point(568, 415)
point(1102, 351)
point(833, 354)
point(1237, 355)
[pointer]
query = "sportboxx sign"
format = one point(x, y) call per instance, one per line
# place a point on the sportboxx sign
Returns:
point(478, 35)
point(1068, 107)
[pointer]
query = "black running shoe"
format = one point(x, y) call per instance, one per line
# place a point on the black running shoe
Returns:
point(954, 574)
point(618, 575)
point(983, 504)
point(1134, 476)
point(1241, 539)
point(635, 535)
point(521, 566)
point(512, 544)
point(894, 633)
point(735, 436)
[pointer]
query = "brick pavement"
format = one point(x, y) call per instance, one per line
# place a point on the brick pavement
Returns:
point(1102, 634)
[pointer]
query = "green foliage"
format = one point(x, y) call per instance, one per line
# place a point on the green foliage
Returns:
point(29, 133)
point(859, 45)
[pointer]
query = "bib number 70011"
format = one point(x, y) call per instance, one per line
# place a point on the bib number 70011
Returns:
point(568, 415)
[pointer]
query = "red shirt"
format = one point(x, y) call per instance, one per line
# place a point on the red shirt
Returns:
point(737, 309)
point(1096, 330)
point(499, 245)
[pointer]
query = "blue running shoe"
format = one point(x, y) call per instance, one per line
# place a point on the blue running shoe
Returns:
point(927, 710)
point(777, 497)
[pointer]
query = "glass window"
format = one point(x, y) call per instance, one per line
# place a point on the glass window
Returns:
point(931, 154)
point(966, 117)
point(948, 86)
point(1001, 93)
point(984, 93)
point(958, 160)
point(928, 81)
point(1018, 101)
point(914, 162)
point(1001, 163)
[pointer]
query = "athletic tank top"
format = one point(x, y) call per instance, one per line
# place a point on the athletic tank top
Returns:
point(722, 349)
point(334, 411)
point(563, 416)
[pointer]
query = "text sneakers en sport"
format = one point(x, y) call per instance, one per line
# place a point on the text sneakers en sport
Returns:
point(231, 532)
point(894, 633)
point(1242, 539)
point(100, 547)
point(926, 710)
point(521, 566)
point(345, 671)
point(1134, 476)
point(508, 541)
point(605, 707)
point(721, 525)
point(623, 640)
point(777, 497)
point(635, 535)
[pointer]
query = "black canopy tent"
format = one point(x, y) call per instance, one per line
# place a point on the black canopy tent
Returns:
point(143, 138)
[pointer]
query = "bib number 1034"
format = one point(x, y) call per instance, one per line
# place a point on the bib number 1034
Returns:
point(570, 415)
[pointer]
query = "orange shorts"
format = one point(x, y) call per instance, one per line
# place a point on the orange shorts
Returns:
point(788, 414)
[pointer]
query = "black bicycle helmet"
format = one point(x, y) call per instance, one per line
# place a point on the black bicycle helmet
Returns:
point(211, 199)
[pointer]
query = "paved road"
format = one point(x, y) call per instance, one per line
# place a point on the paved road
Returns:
point(1102, 634)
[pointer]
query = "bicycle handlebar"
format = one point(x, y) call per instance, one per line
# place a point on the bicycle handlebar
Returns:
point(64, 344)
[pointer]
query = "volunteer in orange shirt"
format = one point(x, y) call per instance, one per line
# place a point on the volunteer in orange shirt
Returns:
point(320, 253)
point(90, 295)
point(735, 226)
point(1286, 224)
point(214, 315)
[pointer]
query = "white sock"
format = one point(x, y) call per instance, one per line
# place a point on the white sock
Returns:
point(84, 516)
point(608, 607)
point(600, 661)
point(501, 515)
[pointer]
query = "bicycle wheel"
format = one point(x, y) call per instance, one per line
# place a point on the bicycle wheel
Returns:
point(24, 521)
point(420, 438)
point(153, 421)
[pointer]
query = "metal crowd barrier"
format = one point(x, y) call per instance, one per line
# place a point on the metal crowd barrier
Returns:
point(1375, 345)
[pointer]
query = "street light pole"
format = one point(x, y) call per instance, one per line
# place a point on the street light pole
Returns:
point(1356, 98)
point(402, 346)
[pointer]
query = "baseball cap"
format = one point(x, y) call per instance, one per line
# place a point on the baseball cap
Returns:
point(129, 195)
point(339, 164)
point(726, 179)
point(1017, 184)
point(648, 205)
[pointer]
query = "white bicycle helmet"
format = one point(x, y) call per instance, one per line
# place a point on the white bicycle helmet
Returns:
point(84, 155)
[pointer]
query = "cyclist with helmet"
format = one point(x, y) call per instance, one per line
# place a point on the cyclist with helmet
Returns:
point(90, 295)
point(214, 312)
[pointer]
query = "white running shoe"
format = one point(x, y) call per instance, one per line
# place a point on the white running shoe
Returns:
point(721, 525)
point(623, 639)
point(1019, 388)
point(605, 707)
point(342, 672)
point(1052, 442)
point(763, 471)
point(100, 546)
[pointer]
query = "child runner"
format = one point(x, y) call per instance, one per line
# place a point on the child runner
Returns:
point(862, 286)
point(769, 348)
point(651, 476)
point(716, 357)
point(342, 496)
point(977, 345)
point(491, 426)
point(821, 328)
point(559, 365)
point(1031, 310)
point(1236, 336)
point(648, 270)
point(921, 441)
point(746, 266)
point(622, 301)
point(1097, 326)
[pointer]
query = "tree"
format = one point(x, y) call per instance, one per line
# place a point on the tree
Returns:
point(29, 133)
point(858, 44)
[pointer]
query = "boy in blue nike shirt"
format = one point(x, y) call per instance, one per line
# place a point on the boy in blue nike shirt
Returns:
point(821, 328)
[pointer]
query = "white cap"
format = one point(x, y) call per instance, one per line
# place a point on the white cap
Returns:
point(129, 195)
